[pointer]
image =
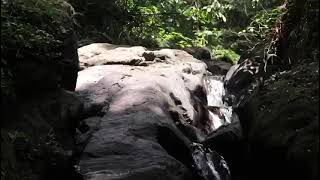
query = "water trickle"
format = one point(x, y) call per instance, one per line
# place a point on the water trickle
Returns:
point(215, 90)
point(220, 113)
point(209, 164)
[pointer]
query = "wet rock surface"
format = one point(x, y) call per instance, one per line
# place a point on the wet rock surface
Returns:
point(149, 113)
point(279, 117)
point(161, 115)
point(282, 124)
point(242, 81)
point(217, 67)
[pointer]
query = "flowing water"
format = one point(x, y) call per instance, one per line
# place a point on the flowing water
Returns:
point(220, 113)
point(209, 164)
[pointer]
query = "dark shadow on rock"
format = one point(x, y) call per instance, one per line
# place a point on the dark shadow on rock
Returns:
point(176, 148)
point(228, 141)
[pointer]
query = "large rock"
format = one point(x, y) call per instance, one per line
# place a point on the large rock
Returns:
point(69, 64)
point(40, 62)
point(228, 140)
point(38, 117)
point(217, 67)
point(282, 124)
point(34, 74)
point(242, 80)
point(149, 109)
point(279, 117)
point(39, 143)
point(36, 61)
point(201, 53)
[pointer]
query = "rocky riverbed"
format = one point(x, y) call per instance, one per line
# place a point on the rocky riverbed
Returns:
point(163, 114)
point(151, 115)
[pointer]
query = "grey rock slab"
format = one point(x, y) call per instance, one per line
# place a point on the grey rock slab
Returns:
point(128, 142)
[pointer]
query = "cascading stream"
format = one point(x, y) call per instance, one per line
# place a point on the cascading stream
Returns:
point(209, 164)
point(220, 113)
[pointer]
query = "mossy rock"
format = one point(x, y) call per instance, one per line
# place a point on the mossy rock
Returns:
point(283, 124)
point(37, 34)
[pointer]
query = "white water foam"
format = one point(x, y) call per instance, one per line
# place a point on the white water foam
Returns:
point(215, 92)
point(210, 165)
point(216, 121)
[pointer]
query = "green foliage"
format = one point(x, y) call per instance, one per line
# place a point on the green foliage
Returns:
point(220, 52)
point(33, 25)
point(33, 30)
point(21, 148)
point(228, 27)
point(176, 23)
point(260, 29)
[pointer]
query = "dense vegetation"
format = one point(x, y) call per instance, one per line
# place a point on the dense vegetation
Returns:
point(34, 47)
point(32, 30)
point(228, 27)
point(33, 40)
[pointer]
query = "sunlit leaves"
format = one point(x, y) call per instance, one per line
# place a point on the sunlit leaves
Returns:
point(34, 25)
point(263, 22)
point(222, 25)
point(149, 10)
point(220, 51)
point(179, 23)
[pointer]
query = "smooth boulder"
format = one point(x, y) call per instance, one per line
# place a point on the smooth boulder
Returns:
point(148, 109)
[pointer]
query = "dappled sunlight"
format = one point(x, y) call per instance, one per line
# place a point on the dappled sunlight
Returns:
point(159, 90)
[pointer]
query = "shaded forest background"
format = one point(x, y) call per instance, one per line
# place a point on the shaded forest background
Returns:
point(227, 27)
point(38, 28)
point(39, 41)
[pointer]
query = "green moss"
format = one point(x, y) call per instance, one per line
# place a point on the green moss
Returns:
point(220, 52)
point(33, 26)
point(31, 30)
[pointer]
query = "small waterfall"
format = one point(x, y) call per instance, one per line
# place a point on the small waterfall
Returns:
point(209, 164)
point(220, 113)
point(215, 90)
